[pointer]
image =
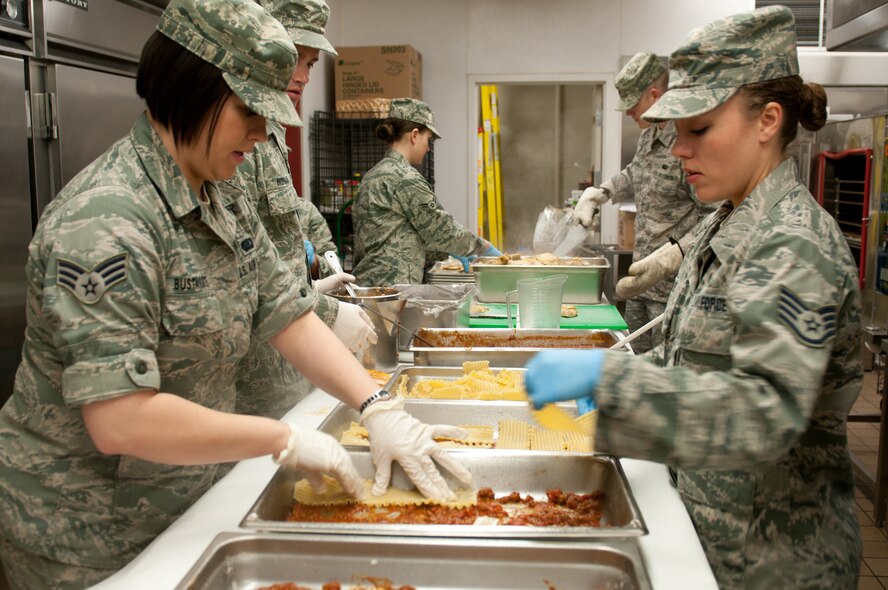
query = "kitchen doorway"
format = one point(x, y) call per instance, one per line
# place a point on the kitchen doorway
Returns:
point(550, 144)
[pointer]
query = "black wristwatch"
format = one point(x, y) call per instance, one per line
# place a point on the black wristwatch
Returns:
point(382, 394)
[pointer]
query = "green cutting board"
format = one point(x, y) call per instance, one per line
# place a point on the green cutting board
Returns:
point(589, 317)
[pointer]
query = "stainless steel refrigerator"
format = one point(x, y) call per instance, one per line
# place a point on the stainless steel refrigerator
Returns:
point(67, 92)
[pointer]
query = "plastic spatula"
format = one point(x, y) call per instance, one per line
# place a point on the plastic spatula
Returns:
point(554, 418)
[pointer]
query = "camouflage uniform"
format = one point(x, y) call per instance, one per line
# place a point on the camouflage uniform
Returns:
point(317, 231)
point(749, 394)
point(267, 384)
point(197, 283)
point(748, 386)
point(135, 284)
point(399, 223)
point(665, 204)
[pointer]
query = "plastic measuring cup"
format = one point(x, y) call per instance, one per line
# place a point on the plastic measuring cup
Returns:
point(539, 302)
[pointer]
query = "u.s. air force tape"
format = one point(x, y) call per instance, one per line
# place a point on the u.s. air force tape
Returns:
point(89, 285)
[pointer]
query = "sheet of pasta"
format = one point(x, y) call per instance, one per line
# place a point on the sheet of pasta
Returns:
point(479, 382)
point(334, 494)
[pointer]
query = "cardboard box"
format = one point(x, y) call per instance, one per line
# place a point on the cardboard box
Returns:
point(626, 227)
point(385, 71)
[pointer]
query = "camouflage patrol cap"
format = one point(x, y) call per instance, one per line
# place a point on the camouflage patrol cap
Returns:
point(253, 51)
point(636, 76)
point(717, 59)
point(415, 111)
point(304, 20)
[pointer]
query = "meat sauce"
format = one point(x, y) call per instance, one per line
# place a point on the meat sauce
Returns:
point(374, 584)
point(559, 509)
point(458, 339)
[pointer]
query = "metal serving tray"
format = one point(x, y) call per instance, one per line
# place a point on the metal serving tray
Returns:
point(584, 284)
point(414, 374)
point(450, 412)
point(503, 347)
point(527, 472)
point(237, 561)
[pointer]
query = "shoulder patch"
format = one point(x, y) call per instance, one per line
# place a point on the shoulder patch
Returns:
point(89, 285)
point(811, 327)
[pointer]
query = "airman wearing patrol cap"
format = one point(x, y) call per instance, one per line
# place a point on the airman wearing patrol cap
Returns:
point(666, 209)
point(749, 395)
point(267, 384)
point(637, 75)
point(255, 58)
point(145, 286)
point(415, 111)
point(401, 228)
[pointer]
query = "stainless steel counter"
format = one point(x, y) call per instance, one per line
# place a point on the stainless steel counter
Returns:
point(671, 551)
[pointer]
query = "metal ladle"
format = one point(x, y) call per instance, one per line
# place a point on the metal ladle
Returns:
point(333, 259)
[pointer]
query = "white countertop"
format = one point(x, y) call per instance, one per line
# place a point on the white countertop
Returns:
point(671, 551)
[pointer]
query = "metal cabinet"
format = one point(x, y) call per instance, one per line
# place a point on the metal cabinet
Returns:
point(15, 216)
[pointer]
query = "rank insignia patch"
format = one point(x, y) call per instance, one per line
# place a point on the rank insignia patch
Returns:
point(811, 327)
point(89, 285)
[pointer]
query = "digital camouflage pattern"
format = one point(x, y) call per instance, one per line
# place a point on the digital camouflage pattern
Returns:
point(399, 223)
point(637, 76)
point(253, 51)
point(749, 394)
point(415, 111)
point(26, 571)
point(666, 206)
point(304, 20)
point(638, 312)
point(316, 231)
point(268, 385)
point(201, 281)
point(718, 58)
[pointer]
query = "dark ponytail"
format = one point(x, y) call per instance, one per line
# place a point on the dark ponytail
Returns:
point(391, 130)
point(803, 104)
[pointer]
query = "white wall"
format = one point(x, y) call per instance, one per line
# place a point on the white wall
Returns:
point(467, 41)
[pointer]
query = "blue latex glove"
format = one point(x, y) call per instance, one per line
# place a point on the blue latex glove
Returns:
point(309, 251)
point(466, 261)
point(559, 375)
point(586, 405)
point(492, 252)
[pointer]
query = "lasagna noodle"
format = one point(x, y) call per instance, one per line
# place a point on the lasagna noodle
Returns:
point(513, 434)
point(334, 494)
point(476, 383)
point(545, 440)
point(476, 436)
point(576, 442)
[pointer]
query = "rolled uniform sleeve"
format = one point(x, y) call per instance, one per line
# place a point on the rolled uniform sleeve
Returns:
point(102, 295)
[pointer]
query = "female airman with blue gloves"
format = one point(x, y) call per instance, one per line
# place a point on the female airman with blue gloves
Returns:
point(399, 223)
point(749, 394)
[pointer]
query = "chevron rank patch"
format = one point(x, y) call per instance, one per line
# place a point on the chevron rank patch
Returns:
point(811, 327)
point(89, 285)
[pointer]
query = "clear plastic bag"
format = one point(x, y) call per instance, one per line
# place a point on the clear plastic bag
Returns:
point(432, 300)
point(551, 229)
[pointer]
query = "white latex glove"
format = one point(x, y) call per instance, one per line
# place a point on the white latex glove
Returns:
point(588, 204)
point(353, 327)
point(662, 263)
point(317, 454)
point(333, 282)
point(395, 435)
